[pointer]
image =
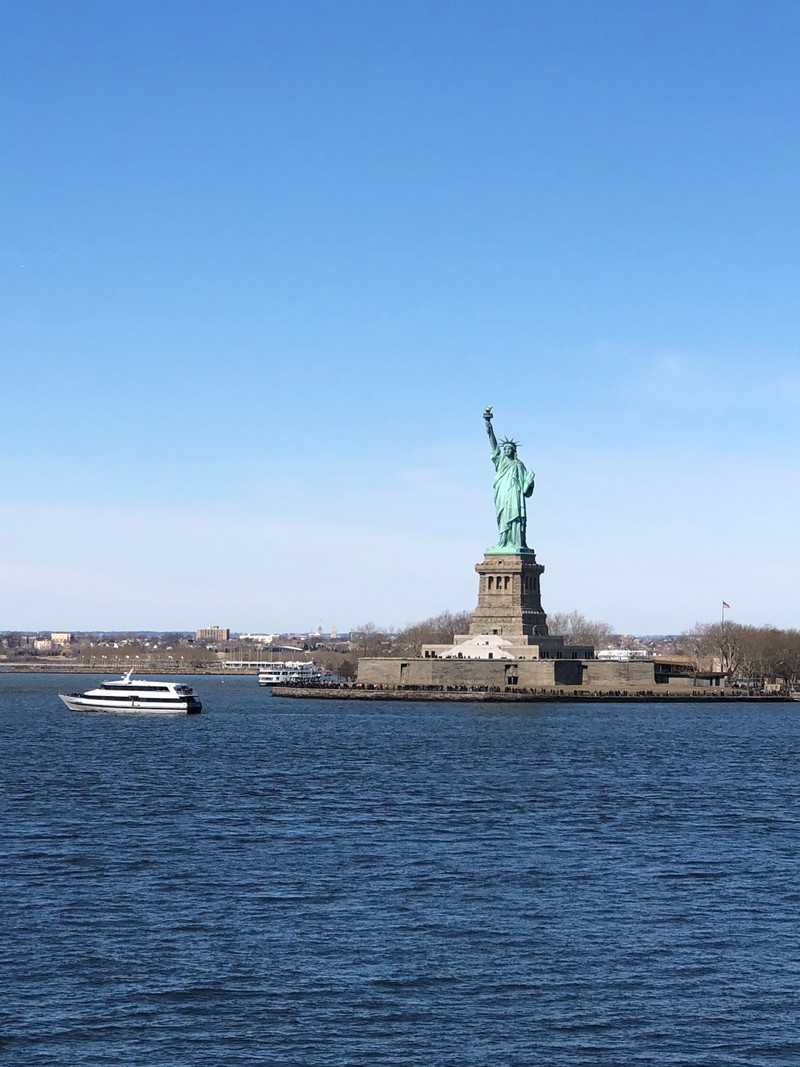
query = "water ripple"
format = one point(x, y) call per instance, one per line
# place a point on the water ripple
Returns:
point(287, 883)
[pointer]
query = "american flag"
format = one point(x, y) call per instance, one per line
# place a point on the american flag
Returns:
point(726, 605)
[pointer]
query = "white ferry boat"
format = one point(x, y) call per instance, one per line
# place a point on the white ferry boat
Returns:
point(290, 673)
point(142, 695)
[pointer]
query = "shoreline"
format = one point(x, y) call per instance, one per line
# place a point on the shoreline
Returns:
point(541, 695)
point(549, 696)
point(26, 668)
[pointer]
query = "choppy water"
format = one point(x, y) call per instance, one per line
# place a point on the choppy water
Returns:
point(325, 883)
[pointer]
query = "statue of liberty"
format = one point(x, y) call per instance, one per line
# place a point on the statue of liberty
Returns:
point(512, 485)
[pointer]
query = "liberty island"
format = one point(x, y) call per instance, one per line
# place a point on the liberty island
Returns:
point(508, 652)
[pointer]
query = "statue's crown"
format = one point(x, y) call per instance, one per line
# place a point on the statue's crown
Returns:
point(509, 441)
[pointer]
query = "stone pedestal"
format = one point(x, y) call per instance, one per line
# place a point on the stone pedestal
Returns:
point(509, 598)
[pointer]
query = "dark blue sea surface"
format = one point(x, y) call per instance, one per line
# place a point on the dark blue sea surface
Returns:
point(282, 882)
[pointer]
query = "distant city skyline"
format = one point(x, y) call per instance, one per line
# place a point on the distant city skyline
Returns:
point(265, 265)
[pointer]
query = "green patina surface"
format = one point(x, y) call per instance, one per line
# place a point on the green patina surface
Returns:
point(513, 484)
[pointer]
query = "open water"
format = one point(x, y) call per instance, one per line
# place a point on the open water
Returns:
point(281, 882)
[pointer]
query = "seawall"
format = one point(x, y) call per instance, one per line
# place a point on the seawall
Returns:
point(558, 695)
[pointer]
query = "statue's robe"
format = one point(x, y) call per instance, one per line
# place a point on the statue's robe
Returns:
point(512, 484)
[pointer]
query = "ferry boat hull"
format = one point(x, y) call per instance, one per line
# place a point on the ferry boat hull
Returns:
point(79, 702)
point(288, 673)
point(138, 695)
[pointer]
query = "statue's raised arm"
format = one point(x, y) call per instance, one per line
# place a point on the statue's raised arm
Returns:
point(488, 417)
point(512, 485)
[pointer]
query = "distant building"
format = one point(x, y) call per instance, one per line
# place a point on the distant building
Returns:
point(213, 635)
point(43, 644)
point(622, 655)
point(61, 639)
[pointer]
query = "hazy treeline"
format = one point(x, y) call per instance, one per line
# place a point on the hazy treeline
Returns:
point(756, 652)
point(371, 640)
point(576, 629)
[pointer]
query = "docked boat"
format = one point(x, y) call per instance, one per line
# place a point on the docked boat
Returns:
point(142, 695)
point(295, 672)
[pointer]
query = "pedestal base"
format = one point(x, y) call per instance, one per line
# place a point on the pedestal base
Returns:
point(509, 598)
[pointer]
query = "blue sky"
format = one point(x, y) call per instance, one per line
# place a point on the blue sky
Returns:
point(264, 264)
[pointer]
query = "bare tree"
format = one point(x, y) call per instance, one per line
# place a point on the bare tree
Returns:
point(437, 630)
point(717, 645)
point(577, 629)
point(369, 640)
point(694, 645)
point(770, 653)
point(336, 663)
point(347, 670)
